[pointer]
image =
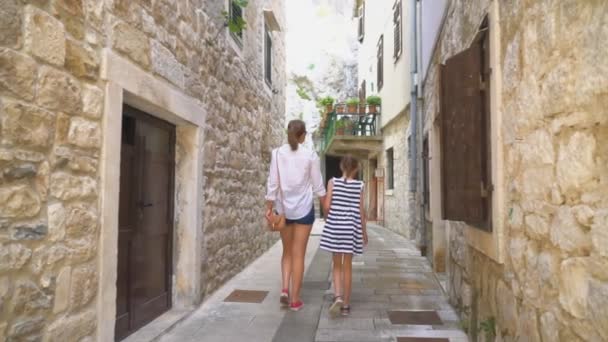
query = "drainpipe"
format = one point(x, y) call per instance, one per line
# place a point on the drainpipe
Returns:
point(413, 98)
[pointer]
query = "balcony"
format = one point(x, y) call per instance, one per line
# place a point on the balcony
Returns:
point(352, 131)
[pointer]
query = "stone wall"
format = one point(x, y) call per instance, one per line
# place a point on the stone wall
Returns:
point(51, 109)
point(553, 284)
point(396, 201)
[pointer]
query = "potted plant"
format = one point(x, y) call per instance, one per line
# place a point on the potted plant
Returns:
point(373, 102)
point(349, 126)
point(340, 108)
point(352, 104)
point(340, 126)
point(328, 103)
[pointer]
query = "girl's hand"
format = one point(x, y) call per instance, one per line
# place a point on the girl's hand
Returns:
point(268, 214)
point(365, 240)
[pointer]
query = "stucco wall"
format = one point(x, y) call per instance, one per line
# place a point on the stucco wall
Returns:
point(51, 100)
point(552, 284)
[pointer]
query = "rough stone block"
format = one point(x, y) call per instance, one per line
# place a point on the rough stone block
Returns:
point(94, 11)
point(27, 125)
point(67, 187)
point(6, 285)
point(71, 328)
point(81, 60)
point(598, 302)
point(10, 23)
point(30, 231)
point(56, 220)
point(92, 101)
point(46, 257)
point(58, 91)
point(20, 171)
point(84, 133)
point(14, 256)
point(537, 227)
point(599, 232)
point(575, 162)
point(19, 201)
point(65, 157)
point(25, 326)
point(574, 286)
point(44, 36)
point(132, 43)
point(567, 234)
point(84, 249)
point(62, 290)
point(17, 74)
point(507, 308)
point(80, 221)
point(549, 327)
point(42, 180)
point(83, 286)
point(28, 299)
point(166, 65)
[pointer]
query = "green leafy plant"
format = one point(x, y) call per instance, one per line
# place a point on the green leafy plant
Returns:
point(488, 327)
point(326, 101)
point(236, 25)
point(353, 101)
point(302, 94)
point(374, 100)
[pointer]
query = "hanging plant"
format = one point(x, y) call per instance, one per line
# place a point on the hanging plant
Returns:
point(236, 24)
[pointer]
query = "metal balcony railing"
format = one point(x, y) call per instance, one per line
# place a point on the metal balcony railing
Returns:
point(353, 122)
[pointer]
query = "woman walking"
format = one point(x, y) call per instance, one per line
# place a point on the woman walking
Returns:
point(345, 231)
point(294, 178)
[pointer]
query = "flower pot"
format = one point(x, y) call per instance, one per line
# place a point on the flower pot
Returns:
point(340, 109)
point(329, 108)
point(352, 108)
point(362, 109)
point(340, 131)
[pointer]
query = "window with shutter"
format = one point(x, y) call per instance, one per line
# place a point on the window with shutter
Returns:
point(362, 22)
point(235, 13)
point(465, 143)
point(380, 63)
point(267, 56)
point(397, 29)
point(390, 168)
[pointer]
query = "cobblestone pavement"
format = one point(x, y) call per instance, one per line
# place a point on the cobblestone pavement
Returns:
point(390, 276)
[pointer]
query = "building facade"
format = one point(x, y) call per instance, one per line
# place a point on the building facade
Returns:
point(516, 128)
point(135, 139)
point(384, 70)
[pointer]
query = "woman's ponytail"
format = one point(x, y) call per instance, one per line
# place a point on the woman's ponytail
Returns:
point(295, 130)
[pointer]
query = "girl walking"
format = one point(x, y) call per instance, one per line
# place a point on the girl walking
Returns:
point(345, 231)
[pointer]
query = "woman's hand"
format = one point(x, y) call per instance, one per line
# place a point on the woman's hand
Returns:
point(365, 240)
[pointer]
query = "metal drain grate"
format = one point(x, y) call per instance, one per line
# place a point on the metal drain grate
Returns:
point(422, 339)
point(246, 296)
point(414, 317)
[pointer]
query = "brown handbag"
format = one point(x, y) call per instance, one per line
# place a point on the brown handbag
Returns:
point(278, 221)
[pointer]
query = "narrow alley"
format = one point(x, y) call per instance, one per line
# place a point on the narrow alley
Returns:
point(396, 297)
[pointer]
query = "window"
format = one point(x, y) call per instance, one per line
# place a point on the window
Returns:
point(362, 22)
point(465, 135)
point(380, 63)
point(235, 13)
point(267, 56)
point(390, 162)
point(362, 93)
point(397, 29)
point(426, 174)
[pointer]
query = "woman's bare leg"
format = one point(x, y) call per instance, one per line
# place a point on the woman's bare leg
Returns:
point(337, 274)
point(347, 269)
point(286, 260)
point(300, 242)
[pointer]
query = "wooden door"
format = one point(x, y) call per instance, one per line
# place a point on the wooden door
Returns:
point(145, 221)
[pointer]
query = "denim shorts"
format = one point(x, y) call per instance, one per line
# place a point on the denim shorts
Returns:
point(307, 220)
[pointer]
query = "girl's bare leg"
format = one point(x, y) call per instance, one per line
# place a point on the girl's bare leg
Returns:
point(286, 260)
point(300, 242)
point(347, 270)
point(337, 273)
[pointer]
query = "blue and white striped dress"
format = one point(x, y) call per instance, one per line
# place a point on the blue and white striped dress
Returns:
point(342, 232)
